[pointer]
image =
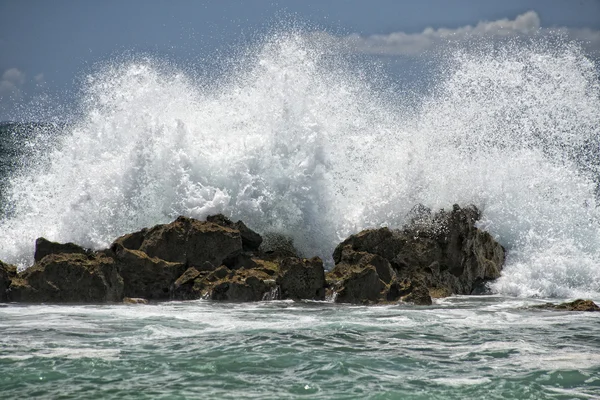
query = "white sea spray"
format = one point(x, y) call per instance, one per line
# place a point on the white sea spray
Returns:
point(293, 139)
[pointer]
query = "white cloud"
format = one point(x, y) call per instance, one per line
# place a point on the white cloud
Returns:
point(524, 25)
point(14, 76)
point(11, 82)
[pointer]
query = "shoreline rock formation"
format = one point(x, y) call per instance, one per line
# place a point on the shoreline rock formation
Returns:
point(435, 255)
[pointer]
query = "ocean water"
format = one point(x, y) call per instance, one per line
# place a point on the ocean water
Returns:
point(461, 348)
point(295, 136)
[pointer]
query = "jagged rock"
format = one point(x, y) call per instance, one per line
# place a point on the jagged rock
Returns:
point(443, 251)
point(241, 260)
point(291, 278)
point(144, 276)
point(302, 279)
point(360, 287)
point(186, 241)
point(351, 259)
point(132, 241)
point(43, 247)
point(276, 247)
point(577, 305)
point(242, 286)
point(134, 300)
point(419, 295)
point(251, 240)
point(7, 273)
point(69, 278)
point(184, 287)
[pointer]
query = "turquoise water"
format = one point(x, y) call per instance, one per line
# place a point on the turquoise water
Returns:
point(462, 347)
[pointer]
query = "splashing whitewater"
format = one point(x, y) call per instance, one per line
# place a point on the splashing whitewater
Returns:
point(294, 139)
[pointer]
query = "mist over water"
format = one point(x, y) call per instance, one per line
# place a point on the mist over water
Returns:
point(295, 139)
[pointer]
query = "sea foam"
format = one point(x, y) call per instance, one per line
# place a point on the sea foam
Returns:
point(293, 138)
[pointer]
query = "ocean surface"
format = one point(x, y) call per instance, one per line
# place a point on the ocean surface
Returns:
point(295, 136)
point(488, 347)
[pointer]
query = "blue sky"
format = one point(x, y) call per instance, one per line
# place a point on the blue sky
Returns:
point(45, 46)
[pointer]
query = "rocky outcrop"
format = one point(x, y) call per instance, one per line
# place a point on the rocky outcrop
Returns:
point(251, 240)
point(576, 305)
point(68, 278)
point(44, 247)
point(435, 255)
point(146, 277)
point(301, 279)
point(7, 274)
point(442, 254)
point(286, 278)
point(198, 244)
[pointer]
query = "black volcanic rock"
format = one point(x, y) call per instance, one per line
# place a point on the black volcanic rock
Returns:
point(7, 273)
point(186, 241)
point(443, 252)
point(146, 277)
point(576, 305)
point(302, 279)
point(251, 240)
point(68, 278)
point(44, 247)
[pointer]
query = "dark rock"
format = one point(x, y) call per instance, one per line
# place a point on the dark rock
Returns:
point(383, 242)
point(242, 286)
point(360, 259)
point(184, 287)
point(361, 277)
point(398, 289)
point(241, 260)
point(302, 279)
point(419, 295)
point(444, 251)
point(7, 273)
point(132, 241)
point(277, 247)
point(577, 305)
point(186, 241)
point(251, 240)
point(69, 278)
point(44, 247)
point(220, 273)
point(360, 286)
point(146, 277)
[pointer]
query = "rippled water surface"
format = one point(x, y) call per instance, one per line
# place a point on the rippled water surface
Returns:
point(462, 347)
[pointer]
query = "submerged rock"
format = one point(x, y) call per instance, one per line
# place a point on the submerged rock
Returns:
point(576, 305)
point(442, 254)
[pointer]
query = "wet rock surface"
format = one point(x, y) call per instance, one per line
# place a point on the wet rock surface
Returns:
point(7, 274)
point(186, 241)
point(44, 247)
point(68, 278)
point(434, 255)
point(439, 254)
point(576, 305)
